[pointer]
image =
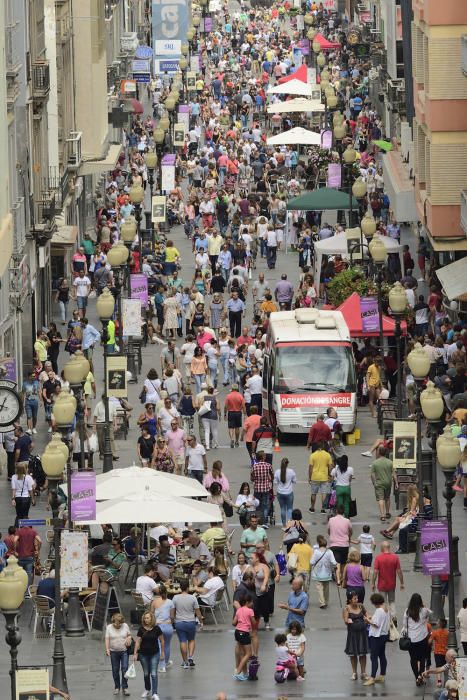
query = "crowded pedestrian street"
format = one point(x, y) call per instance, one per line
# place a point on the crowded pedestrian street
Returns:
point(233, 412)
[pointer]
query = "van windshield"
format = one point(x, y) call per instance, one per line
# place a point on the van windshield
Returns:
point(314, 368)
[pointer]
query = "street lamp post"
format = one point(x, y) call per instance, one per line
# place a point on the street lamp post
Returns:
point(65, 411)
point(128, 233)
point(432, 405)
point(449, 454)
point(398, 306)
point(151, 163)
point(377, 250)
point(105, 306)
point(136, 198)
point(13, 585)
point(117, 257)
point(183, 65)
point(53, 462)
point(419, 365)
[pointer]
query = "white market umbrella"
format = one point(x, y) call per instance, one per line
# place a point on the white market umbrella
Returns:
point(293, 87)
point(146, 507)
point(118, 483)
point(297, 136)
point(299, 104)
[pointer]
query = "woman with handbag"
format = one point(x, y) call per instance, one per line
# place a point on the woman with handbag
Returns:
point(210, 417)
point(354, 615)
point(150, 648)
point(117, 644)
point(415, 628)
point(343, 475)
point(219, 498)
point(378, 635)
point(284, 479)
point(22, 491)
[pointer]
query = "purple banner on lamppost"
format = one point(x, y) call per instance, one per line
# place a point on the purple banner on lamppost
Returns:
point(434, 544)
point(83, 496)
point(334, 175)
point(369, 314)
point(139, 288)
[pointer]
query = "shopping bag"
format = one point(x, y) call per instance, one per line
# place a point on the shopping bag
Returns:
point(282, 563)
point(131, 673)
point(353, 508)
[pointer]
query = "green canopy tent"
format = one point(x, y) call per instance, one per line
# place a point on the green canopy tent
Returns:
point(323, 199)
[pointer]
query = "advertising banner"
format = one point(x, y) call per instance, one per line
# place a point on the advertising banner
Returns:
point(168, 172)
point(461, 666)
point(9, 365)
point(318, 400)
point(74, 563)
point(158, 209)
point(369, 314)
point(184, 116)
point(434, 545)
point(32, 683)
point(179, 134)
point(116, 376)
point(83, 496)
point(169, 27)
point(334, 175)
point(326, 140)
point(139, 288)
point(405, 444)
point(131, 317)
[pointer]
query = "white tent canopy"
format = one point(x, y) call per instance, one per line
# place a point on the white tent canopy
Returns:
point(145, 507)
point(293, 87)
point(297, 136)
point(118, 483)
point(299, 104)
point(341, 244)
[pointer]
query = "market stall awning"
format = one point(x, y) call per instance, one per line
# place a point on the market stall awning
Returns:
point(323, 199)
point(297, 136)
point(351, 312)
point(300, 74)
point(325, 44)
point(299, 104)
point(293, 87)
point(453, 277)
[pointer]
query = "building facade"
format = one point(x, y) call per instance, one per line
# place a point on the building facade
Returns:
point(440, 123)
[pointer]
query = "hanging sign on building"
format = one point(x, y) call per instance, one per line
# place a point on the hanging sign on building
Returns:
point(169, 27)
point(369, 313)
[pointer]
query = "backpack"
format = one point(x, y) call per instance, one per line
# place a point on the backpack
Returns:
point(253, 666)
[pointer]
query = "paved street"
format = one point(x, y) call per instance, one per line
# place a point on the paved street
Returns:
point(89, 670)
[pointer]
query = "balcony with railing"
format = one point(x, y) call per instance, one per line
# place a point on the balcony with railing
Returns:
point(72, 153)
point(40, 76)
point(19, 226)
point(464, 54)
point(464, 211)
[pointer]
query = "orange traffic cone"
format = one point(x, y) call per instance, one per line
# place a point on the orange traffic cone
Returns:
point(277, 447)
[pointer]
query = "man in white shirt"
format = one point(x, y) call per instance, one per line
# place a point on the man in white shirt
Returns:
point(271, 242)
point(255, 385)
point(145, 584)
point(99, 425)
point(165, 415)
point(196, 464)
point(208, 591)
point(198, 549)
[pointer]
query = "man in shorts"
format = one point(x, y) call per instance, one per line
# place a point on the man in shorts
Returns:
point(383, 475)
point(320, 465)
point(234, 410)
